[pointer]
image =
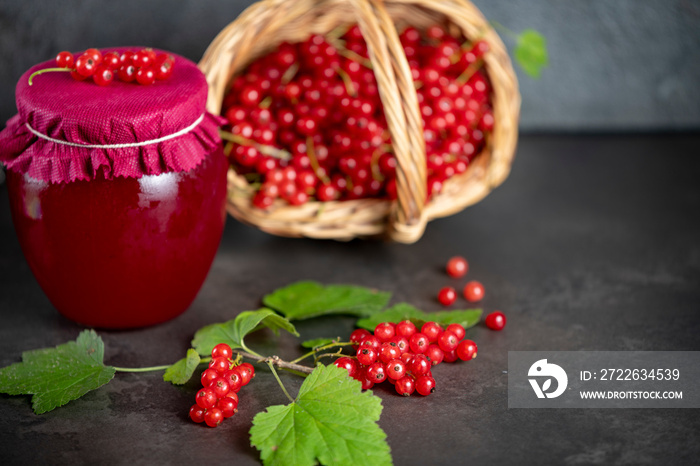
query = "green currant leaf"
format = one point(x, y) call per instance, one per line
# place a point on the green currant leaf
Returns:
point(180, 372)
point(402, 311)
point(55, 376)
point(234, 331)
point(331, 422)
point(305, 299)
point(316, 342)
point(531, 52)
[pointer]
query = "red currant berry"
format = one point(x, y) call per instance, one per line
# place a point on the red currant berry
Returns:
point(447, 296)
point(432, 330)
point(474, 291)
point(127, 73)
point(233, 377)
point(405, 328)
point(77, 76)
point(401, 343)
point(164, 65)
point(247, 372)
point(95, 54)
point(425, 385)
point(228, 406)
point(111, 60)
point(405, 386)
point(366, 355)
point(358, 335)
point(496, 320)
point(64, 60)
point(372, 342)
point(385, 331)
point(206, 398)
point(366, 382)
point(85, 65)
point(458, 330)
point(389, 351)
point(197, 413)
point(418, 343)
point(457, 267)
point(395, 369)
point(145, 76)
point(208, 376)
point(262, 201)
point(450, 356)
point(103, 76)
point(250, 96)
point(376, 373)
point(348, 364)
point(220, 387)
point(142, 59)
point(435, 354)
point(222, 350)
point(220, 365)
point(448, 341)
point(466, 350)
point(213, 417)
point(419, 365)
point(126, 58)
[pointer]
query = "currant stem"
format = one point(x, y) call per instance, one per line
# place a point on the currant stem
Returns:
point(140, 369)
point(274, 372)
point(45, 70)
point(321, 348)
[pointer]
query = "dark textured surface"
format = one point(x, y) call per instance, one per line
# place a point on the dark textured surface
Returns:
point(623, 64)
point(592, 244)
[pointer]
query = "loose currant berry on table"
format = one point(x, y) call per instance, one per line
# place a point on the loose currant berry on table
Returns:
point(395, 369)
point(64, 60)
point(213, 417)
point(197, 413)
point(405, 386)
point(425, 385)
point(247, 372)
point(385, 331)
point(348, 364)
point(448, 341)
point(466, 350)
point(457, 267)
point(496, 320)
point(458, 330)
point(366, 355)
point(358, 335)
point(228, 406)
point(222, 350)
point(220, 365)
point(435, 354)
point(432, 330)
point(405, 328)
point(206, 398)
point(447, 296)
point(474, 291)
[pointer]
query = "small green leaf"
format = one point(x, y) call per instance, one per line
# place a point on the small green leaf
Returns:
point(316, 342)
point(55, 376)
point(305, 299)
point(402, 311)
point(180, 372)
point(331, 422)
point(234, 331)
point(531, 52)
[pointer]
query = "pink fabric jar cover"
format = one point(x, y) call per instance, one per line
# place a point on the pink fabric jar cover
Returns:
point(63, 124)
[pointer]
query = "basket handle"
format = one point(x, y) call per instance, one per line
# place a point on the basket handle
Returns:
point(398, 96)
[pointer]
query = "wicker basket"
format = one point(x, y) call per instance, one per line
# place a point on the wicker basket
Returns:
point(264, 25)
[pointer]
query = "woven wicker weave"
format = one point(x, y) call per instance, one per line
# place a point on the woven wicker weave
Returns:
point(264, 25)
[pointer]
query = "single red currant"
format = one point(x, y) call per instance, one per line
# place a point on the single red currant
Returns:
point(103, 76)
point(447, 296)
point(208, 376)
point(65, 60)
point(385, 331)
point(247, 372)
point(213, 417)
point(418, 343)
point(457, 267)
point(401, 343)
point(220, 365)
point(376, 372)
point(395, 369)
point(419, 365)
point(145, 76)
point(405, 386)
point(496, 320)
point(228, 406)
point(206, 398)
point(348, 364)
point(389, 351)
point(142, 59)
point(458, 330)
point(425, 385)
point(435, 354)
point(220, 387)
point(448, 341)
point(111, 60)
point(85, 66)
point(95, 54)
point(233, 377)
point(450, 356)
point(358, 335)
point(474, 291)
point(405, 328)
point(366, 355)
point(372, 342)
point(197, 413)
point(127, 73)
point(432, 330)
point(222, 350)
point(466, 350)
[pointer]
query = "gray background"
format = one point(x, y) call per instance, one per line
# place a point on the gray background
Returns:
point(614, 64)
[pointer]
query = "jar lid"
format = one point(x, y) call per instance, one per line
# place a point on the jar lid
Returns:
point(69, 130)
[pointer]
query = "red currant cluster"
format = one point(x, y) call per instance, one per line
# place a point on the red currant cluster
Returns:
point(144, 66)
point(404, 356)
point(222, 381)
point(457, 267)
point(307, 120)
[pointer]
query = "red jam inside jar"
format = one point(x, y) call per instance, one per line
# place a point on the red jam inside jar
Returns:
point(117, 193)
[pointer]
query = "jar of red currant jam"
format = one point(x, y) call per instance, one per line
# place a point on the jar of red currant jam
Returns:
point(117, 193)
